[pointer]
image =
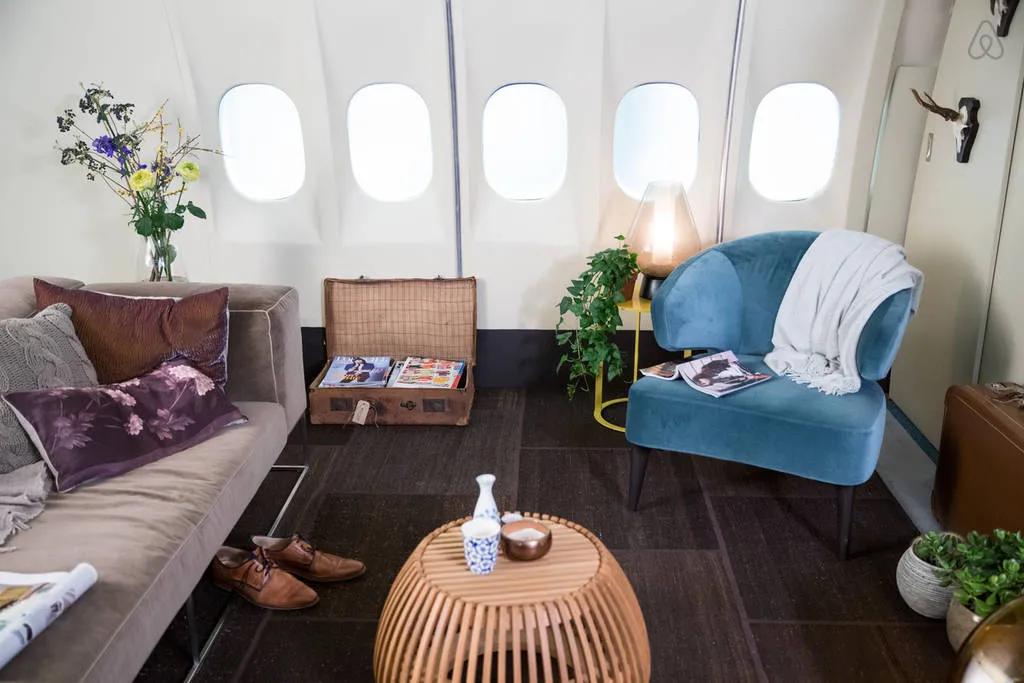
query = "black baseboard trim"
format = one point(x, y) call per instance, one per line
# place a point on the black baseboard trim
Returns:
point(505, 359)
point(916, 434)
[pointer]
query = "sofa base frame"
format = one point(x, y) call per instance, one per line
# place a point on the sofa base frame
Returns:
point(199, 652)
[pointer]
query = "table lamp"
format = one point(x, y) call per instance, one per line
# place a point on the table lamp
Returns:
point(663, 233)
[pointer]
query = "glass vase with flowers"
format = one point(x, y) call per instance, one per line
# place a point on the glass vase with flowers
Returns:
point(152, 187)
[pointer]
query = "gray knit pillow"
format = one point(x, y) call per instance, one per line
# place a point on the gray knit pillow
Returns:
point(41, 352)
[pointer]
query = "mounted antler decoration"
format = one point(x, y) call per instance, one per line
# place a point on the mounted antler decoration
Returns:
point(964, 119)
point(1003, 9)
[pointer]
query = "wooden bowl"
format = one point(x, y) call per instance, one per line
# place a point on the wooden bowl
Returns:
point(525, 549)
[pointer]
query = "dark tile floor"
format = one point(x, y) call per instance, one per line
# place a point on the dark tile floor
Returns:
point(734, 567)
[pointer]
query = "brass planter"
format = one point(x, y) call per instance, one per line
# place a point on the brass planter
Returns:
point(960, 623)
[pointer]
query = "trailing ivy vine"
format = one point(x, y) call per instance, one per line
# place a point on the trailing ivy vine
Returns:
point(593, 298)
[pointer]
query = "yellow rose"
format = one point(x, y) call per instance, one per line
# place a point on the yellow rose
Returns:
point(189, 171)
point(143, 179)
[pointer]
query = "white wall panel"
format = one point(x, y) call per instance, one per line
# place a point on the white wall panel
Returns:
point(846, 46)
point(1003, 352)
point(54, 221)
point(690, 43)
point(898, 149)
point(525, 251)
point(320, 54)
point(391, 41)
point(954, 226)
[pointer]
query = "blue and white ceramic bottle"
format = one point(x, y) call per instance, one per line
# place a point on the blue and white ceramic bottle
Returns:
point(486, 508)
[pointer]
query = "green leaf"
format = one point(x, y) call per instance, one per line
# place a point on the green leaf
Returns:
point(173, 221)
point(144, 226)
point(195, 210)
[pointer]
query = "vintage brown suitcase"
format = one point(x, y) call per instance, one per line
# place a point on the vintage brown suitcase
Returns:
point(399, 318)
point(981, 463)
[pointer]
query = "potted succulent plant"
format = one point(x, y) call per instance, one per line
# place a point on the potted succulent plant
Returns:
point(593, 298)
point(924, 573)
point(990, 575)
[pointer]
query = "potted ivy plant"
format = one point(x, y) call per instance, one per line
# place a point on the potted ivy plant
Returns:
point(923, 574)
point(593, 299)
point(991, 574)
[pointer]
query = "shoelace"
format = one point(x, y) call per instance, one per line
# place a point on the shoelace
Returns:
point(262, 564)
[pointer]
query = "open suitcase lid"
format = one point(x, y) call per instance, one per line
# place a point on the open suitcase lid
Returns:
point(433, 318)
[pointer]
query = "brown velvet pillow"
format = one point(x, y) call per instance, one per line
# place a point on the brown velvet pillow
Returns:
point(126, 337)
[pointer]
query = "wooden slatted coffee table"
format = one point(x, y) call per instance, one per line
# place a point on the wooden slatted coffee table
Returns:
point(572, 613)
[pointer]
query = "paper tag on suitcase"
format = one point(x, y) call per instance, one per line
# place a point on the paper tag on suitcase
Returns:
point(360, 413)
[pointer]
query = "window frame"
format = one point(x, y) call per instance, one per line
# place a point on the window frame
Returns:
point(687, 183)
point(226, 157)
point(430, 144)
point(564, 155)
point(824, 186)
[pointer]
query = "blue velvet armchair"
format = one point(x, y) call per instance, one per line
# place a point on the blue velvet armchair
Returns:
point(726, 298)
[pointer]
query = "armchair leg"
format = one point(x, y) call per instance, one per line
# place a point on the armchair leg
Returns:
point(845, 519)
point(637, 469)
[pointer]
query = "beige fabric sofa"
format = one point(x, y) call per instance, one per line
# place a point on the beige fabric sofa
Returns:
point(151, 533)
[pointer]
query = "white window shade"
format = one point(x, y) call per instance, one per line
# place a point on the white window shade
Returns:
point(261, 138)
point(793, 142)
point(525, 141)
point(657, 130)
point(389, 141)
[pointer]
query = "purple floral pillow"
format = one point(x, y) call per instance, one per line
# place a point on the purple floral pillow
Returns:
point(90, 433)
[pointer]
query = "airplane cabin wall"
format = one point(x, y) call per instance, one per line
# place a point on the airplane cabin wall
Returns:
point(956, 216)
point(591, 52)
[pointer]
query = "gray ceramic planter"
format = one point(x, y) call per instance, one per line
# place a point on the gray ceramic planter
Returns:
point(920, 587)
point(960, 622)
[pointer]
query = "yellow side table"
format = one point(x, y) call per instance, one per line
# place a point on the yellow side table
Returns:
point(639, 306)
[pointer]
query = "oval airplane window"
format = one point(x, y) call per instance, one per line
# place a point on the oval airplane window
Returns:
point(657, 128)
point(525, 141)
point(389, 141)
point(793, 143)
point(261, 138)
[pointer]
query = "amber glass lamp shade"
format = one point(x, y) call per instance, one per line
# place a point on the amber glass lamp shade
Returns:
point(663, 233)
point(994, 653)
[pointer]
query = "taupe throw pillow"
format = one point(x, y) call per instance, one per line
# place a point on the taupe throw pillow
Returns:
point(41, 352)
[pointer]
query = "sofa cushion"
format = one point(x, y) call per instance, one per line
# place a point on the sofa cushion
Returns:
point(265, 344)
point(18, 299)
point(41, 352)
point(91, 433)
point(128, 336)
point(150, 534)
point(778, 424)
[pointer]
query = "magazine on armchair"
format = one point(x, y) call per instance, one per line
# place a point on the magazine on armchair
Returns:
point(716, 375)
point(31, 602)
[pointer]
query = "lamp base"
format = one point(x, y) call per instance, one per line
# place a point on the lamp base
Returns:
point(650, 286)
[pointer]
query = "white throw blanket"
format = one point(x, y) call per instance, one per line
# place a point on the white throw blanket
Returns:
point(22, 495)
point(842, 278)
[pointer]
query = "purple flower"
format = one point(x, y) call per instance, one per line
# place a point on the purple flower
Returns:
point(134, 425)
point(187, 373)
point(166, 422)
point(70, 432)
point(104, 145)
point(119, 396)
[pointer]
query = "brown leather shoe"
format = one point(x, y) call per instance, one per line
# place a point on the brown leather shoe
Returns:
point(259, 580)
point(298, 556)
